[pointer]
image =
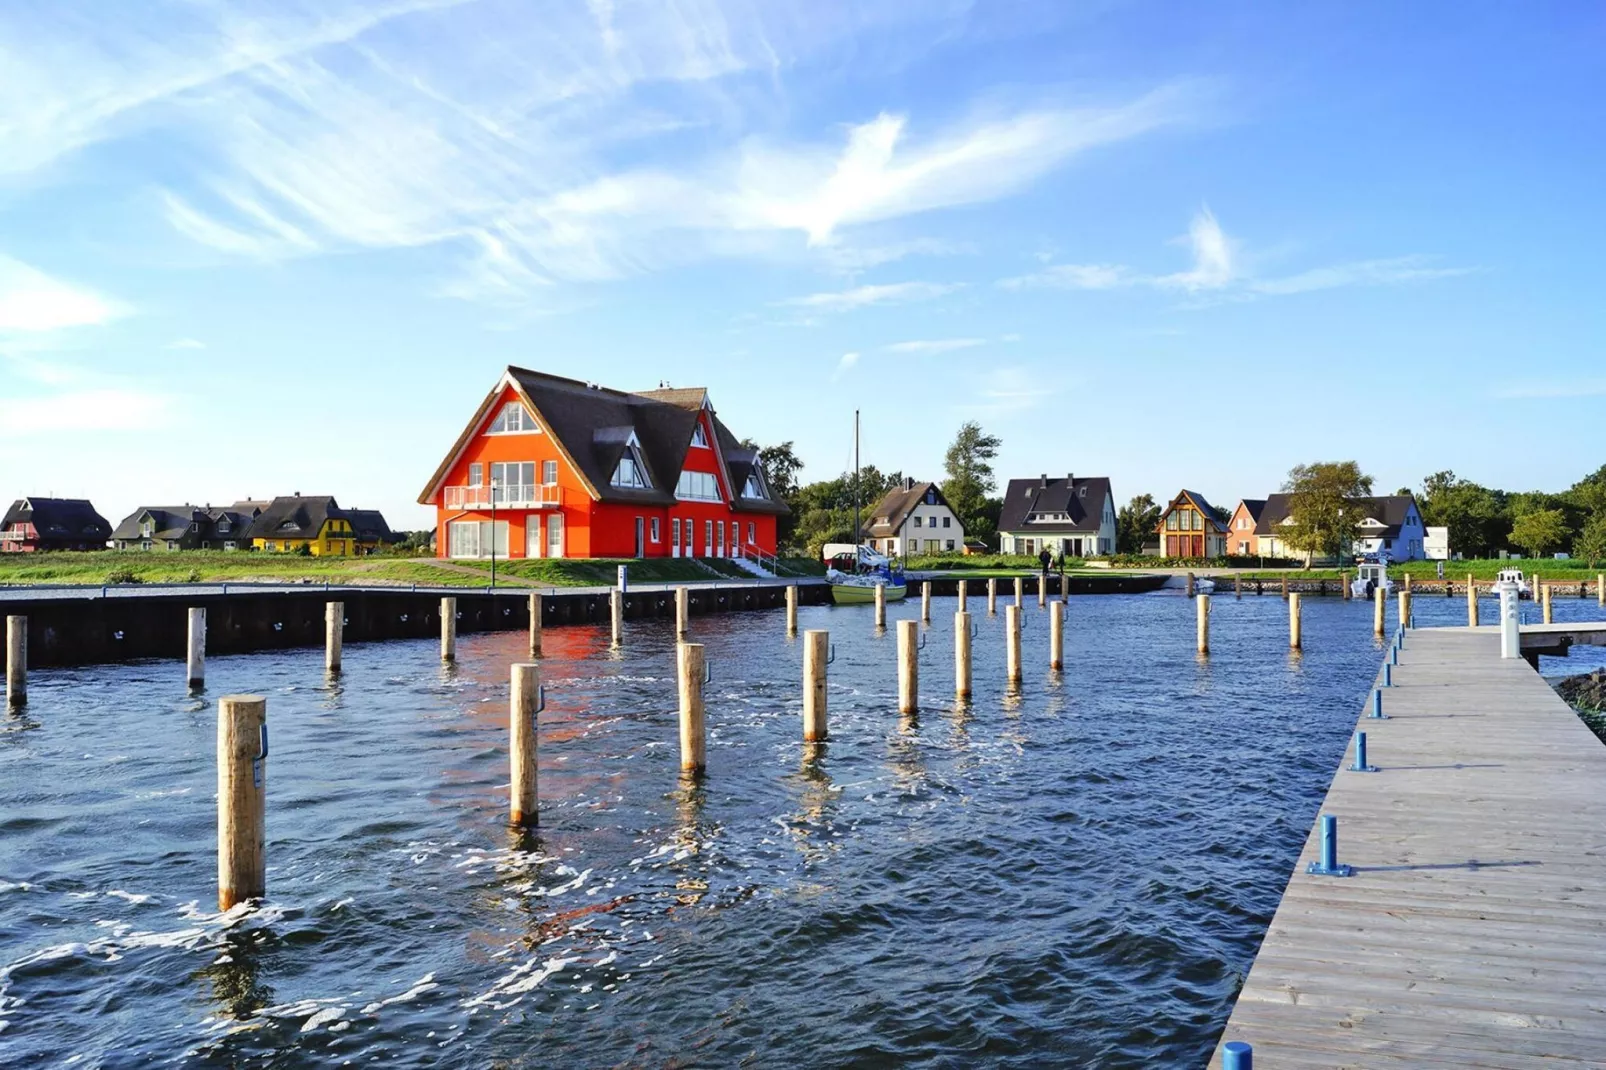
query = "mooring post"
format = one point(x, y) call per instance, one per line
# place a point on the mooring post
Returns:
point(1472, 602)
point(524, 703)
point(1285, 587)
point(1343, 586)
point(964, 596)
point(1377, 705)
point(16, 661)
point(616, 614)
point(1056, 636)
point(1600, 588)
point(1020, 592)
point(1065, 586)
point(791, 609)
point(624, 578)
point(1510, 614)
point(1295, 639)
point(448, 629)
point(1238, 585)
point(1236, 1055)
point(908, 666)
point(816, 656)
point(1328, 865)
point(693, 736)
point(1407, 581)
point(1190, 585)
point(334, 634)
point(535, 624)
point(242, 758)
point(925, 601)
point(195, 648)
point(1379, 597)
point(962, 655)
point(1012, 643)
point(1202, 612)
point(992, 596)
point(1544, 602)
point(683, 613)
point(1042, 589)
point(880, 606)
point(1360, 765)
point(1405, 607)
point(1388, 674)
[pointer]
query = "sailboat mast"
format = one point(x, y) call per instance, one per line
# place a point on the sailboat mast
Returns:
point(856, 539)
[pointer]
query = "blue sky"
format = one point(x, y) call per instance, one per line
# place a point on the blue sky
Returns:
point(249, 248)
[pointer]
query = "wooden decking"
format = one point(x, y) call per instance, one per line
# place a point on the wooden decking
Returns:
point(1473, 932)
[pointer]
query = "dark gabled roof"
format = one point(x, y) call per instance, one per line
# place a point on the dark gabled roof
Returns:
point(894, 508)
point(1253, 506)
point(171, 521)
point(592, 425)
point(370, 526)
point(1203, 506)
point(1390, 510)
point(59, 518)
point(739, 464)
point(294, 517)
point(1082, 499)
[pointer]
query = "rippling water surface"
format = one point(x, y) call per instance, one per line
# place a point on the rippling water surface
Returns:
point(1077, 874)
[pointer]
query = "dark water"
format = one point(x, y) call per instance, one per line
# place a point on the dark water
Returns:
point(1078, 875)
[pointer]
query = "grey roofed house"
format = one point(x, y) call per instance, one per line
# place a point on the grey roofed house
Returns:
point(1071, 514)
point(1390, 524)
point(295, 517)
point(594, 426)
point(170, 526)
point(370, 527)
point(1393, 511)
point(53, 524)
point(888, 515)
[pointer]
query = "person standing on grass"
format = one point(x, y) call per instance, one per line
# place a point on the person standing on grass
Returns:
point(1046, 559)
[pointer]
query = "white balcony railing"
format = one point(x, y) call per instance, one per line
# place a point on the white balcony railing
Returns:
point(530, 496)
point(13, 536)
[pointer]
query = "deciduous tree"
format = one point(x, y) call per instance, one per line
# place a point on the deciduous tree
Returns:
point(1540, 532)
point(970, 473)
point(1134, 524)
point(1322, 511)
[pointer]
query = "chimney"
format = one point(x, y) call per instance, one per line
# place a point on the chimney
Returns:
point(908, 482)
point(1044, 484)
point(1069, 479)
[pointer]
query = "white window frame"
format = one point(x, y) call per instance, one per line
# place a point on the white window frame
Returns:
point(655, 530)
point(698, 487)
point(708, 538)
point(513, 412)
point(549, 473)
point(699, 438)
point(632, 478)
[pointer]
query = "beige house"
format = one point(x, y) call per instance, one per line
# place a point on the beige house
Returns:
point(914, 519)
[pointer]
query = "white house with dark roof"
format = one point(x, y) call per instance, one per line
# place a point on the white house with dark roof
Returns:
point(1073, 515)
point(914, 518)
point(1389, 524)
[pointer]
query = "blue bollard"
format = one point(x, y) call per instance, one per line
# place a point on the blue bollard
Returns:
point(1377, 704)
point(1388, 676)
point(1236, 1055)
point(1394, 656)
point(1360, 765)
point(1328, 865)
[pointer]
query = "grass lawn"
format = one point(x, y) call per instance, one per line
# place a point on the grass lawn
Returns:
point(1482, 571)
point(213, 566)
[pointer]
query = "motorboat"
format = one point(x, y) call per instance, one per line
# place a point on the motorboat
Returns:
point(1514, 576)
point(1371, 573)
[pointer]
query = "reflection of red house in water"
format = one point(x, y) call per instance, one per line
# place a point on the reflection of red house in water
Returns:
point(1189, 527)
point(578, 470)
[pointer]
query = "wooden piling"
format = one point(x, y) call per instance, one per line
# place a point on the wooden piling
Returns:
point(925, 601)
point(992, 596)
point(1380, 597)
point(242, 724)
point(791, 609)
point(880, 606)
point(524, 700)
point(1405, 608)
point(1472, 602)
point(964, 596)
point(1295, 638)
point(1042, 589)
point(334, 634)
point(1544, 602)
point(16, 661)
point(962, 655)
point(1020, 592)
point(816, 653)
point(1600, 588)
point(535, 624)
point(1407, 581)
point(195, 648)
point(693, 736)
point(1012, 643)
point(683, 612)
point(448, 629)
point(1285, 587)
point(1191, 586)
point(1343, 586)
point(616, 614)
point(1202, 612)
point(1238, 585)
point(908, 666)
point(1056, 636)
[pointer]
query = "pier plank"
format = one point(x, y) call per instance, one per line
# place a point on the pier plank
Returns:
point(1473, 932)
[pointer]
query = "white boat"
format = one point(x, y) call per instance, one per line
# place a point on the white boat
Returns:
point(858, 588)
point(1514, 575)
point(1369, 576)
point(1204, 585)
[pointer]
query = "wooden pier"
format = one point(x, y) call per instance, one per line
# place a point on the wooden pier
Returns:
point(1472, 932)
point(1473, 929)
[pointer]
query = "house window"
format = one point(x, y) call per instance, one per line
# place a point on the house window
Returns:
point(950, 544)
point(946, 523)
point(629, 473)
point(719, 539)
point(147, 529)
point(476, 473)
point(514, 481)
point(698, 438)
point(674, 534)
point(549, 473)
point(698, 486)
point(752, 533)
point(230, 546)
point(708, 536)
point(146, 546)
point(656, 530)
point(917, 521)
point(1171, 522)
point(736, 536)
point(931, 496)
point(754, 487)
point(513, 419)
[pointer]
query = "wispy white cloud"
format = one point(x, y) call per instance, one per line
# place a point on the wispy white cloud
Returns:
point(854, 259)
point(848, 362)
point(1216, 275)
point(1006, 391)
point(935, 345)
point(31, 301)
point(186, 343)
point(893, 293)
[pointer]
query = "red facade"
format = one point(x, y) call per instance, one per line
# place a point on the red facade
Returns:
point(584, 472)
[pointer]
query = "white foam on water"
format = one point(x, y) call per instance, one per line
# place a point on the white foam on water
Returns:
point(424, 984)
point(518, 981)
point(15, 886)
point(133, 897)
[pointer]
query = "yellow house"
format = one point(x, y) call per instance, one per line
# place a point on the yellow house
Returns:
point(317, 522)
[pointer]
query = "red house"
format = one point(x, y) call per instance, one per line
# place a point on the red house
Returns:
point(35, 524)
point(553, 467)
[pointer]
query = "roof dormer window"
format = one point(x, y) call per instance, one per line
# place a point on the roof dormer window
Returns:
point(630, 472)
point(698, 438)
point(514, 419)
point(754, 487)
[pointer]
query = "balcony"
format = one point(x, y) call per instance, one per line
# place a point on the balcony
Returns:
point(14, 536)
point(528, 496)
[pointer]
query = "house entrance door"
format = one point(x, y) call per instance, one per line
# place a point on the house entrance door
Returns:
point(532, 537)
point(641, 536)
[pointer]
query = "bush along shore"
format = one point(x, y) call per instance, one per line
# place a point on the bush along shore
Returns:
point(1587, 695)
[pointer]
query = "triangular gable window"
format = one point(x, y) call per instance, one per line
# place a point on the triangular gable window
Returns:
point(698, 438)
point(755, 488)
point(513, 419)
point(630, 472)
